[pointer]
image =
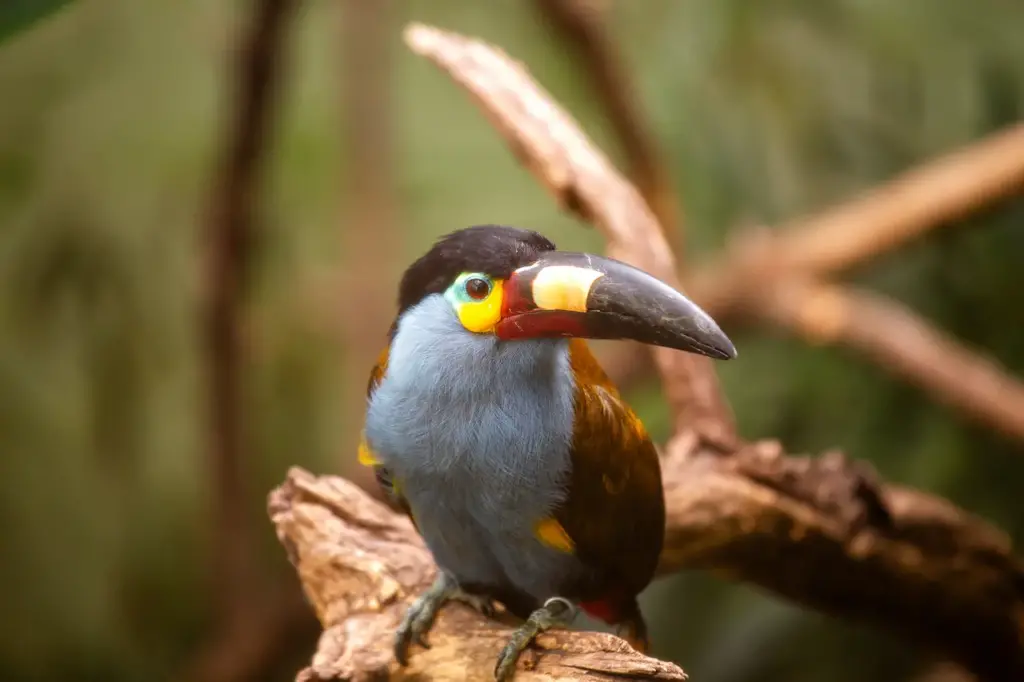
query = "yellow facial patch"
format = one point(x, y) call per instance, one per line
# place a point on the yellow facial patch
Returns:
point(481, 316)
point(551, 533)
point(476, 299)
point(563, 287)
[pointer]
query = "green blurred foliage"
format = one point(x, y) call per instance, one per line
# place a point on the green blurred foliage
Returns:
point(109, 128)
point(18, 15)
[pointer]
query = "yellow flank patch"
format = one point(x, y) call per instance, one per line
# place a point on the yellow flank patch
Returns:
point(550, 532)
point(396, 489)
point(563, 287)
point(481, 316)
point(366, 456)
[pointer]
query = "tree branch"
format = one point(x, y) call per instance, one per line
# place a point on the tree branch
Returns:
point(828, 534)
point(230, 229)
point(823, 532)
point(897, 339)
point(584, 28)
point(887, 217)
point(771, 274)
point(231, 224)
point(550, 144)
point(369, 221)
point(361, 565)
point(936, 193)
point(582, 25)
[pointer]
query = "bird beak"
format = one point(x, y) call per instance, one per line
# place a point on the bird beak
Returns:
point(587, 296)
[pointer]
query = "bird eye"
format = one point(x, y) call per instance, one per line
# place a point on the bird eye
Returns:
point(478, 288)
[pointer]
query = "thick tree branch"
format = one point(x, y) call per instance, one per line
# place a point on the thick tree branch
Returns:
point(361, 565)
point(823, 532)
point(549, 143)
point(899, 340)
point(826, 533)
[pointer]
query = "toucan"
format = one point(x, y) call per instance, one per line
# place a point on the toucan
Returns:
point(490, 423)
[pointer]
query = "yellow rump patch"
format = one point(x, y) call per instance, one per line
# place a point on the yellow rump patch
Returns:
point(551, 533)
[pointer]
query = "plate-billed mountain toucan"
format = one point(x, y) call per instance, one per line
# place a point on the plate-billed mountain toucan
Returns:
point(490, 423)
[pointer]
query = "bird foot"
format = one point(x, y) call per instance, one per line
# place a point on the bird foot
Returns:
point(556, 612)
point(420, 616)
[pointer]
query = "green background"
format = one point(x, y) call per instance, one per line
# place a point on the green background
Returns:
point(111, 116)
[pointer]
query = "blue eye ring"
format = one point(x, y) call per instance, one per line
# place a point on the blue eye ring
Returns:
point(470, 287)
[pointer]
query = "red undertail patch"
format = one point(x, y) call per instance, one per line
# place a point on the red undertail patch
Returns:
point(602, 610)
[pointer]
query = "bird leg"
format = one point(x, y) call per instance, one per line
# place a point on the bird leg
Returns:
point(420, 616)
point(556, 612)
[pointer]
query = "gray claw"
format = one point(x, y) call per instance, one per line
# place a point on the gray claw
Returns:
point(507, 659)
point(416, 624)
point(484, 605)
point(420, 616)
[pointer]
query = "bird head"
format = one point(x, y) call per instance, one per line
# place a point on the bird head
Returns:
point(513, 284)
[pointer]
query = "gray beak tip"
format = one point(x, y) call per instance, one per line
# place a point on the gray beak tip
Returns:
point(727, 351)
point(714, 345)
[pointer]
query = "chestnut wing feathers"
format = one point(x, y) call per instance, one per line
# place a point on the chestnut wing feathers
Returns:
point(615, 510)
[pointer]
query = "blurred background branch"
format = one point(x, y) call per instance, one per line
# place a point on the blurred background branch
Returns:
point(255, 620)
point(581, 25)
point(902, 342)
point(936, 194)
point(232, 230)
point(369, 223)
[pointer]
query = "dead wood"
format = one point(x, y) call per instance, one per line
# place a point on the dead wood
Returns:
point(361, 565)
point(823, 532)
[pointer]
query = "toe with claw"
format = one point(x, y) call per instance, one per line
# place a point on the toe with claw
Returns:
point(484, 605)
point(420, 616)
point(556, 612)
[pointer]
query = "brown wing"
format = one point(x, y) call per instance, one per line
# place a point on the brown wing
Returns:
point(366, 455)
point(615, 512)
